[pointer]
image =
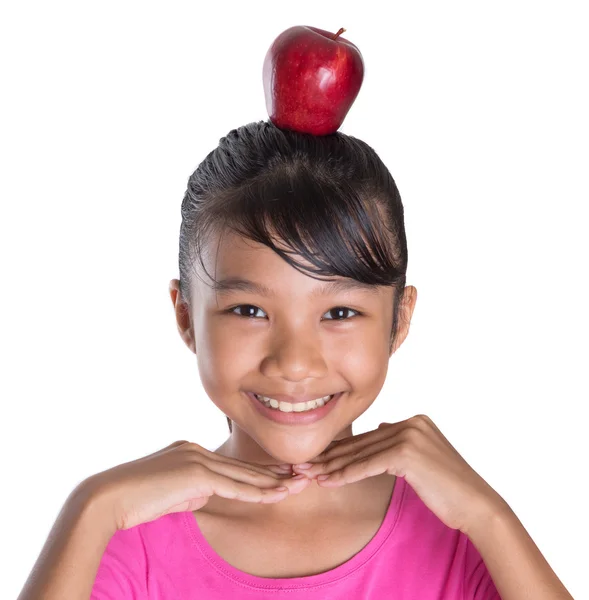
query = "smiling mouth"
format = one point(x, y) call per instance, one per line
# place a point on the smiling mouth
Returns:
point(289, 407)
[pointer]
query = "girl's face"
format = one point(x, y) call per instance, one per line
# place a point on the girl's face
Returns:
point(289, 342)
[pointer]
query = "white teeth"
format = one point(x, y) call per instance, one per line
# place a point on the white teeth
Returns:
point(288, 407)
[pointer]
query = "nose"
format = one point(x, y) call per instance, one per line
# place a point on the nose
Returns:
point(295, 356)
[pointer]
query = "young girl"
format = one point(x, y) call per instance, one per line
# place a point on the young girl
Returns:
point(292, 295)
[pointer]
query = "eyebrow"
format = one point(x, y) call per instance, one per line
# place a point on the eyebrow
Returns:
point(232, 284)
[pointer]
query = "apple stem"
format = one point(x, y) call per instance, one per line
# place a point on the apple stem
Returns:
point(338, 33)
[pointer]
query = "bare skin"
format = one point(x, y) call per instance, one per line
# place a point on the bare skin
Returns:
point(294, 345)
point(298, 347)
point(298, 546)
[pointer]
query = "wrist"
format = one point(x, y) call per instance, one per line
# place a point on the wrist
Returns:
point(487, 514)
point(95, 504)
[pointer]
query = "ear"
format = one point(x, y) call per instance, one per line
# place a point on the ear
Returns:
point(408, 301)
point(182, 312)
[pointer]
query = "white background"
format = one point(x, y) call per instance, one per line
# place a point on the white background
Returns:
point(479, 110)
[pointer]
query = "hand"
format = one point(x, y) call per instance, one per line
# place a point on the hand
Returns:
point(182, 477)
point(416, 450)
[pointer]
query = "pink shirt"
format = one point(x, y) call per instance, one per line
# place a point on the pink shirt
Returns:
point(412, 556)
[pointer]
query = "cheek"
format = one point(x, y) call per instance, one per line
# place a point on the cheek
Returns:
point(226, 352)
point(365, 364)
point(223, 358)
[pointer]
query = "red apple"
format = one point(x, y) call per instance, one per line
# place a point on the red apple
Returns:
point(311, 79)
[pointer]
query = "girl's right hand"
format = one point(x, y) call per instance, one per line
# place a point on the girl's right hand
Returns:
point(182, 477)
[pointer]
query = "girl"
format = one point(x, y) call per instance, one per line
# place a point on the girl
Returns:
point(292, 295)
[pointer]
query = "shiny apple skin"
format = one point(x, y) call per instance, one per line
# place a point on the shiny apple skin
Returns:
point(311, 81)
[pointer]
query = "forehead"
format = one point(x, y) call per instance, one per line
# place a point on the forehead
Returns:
point(227, 253)
point(242, 264)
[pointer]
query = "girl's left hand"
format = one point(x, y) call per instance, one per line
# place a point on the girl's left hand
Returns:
point(416, 450)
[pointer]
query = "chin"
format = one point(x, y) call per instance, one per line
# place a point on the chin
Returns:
point(293, 457)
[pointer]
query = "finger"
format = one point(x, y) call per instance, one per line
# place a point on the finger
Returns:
point(357, 443)
point(251, 469)
point(262, 469)
point(246, 474)
point(370, 466)
point(281, 471)
point(356, 454)
point(227, 487)
point(359, 454)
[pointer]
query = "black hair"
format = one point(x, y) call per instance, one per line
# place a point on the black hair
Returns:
point(329, 199)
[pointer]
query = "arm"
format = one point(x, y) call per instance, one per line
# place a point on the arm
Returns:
point(517, 568)
point(68, 563)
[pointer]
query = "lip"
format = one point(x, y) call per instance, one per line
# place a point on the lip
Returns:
point(295, 418)
point(292, 399)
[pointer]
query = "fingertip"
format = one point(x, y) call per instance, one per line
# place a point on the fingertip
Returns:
point(274, 495)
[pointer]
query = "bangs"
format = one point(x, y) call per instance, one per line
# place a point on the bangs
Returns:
point(339, 230)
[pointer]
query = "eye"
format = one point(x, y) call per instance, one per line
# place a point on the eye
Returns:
point(339, 310)
point(248, 306)
point(252, 311)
